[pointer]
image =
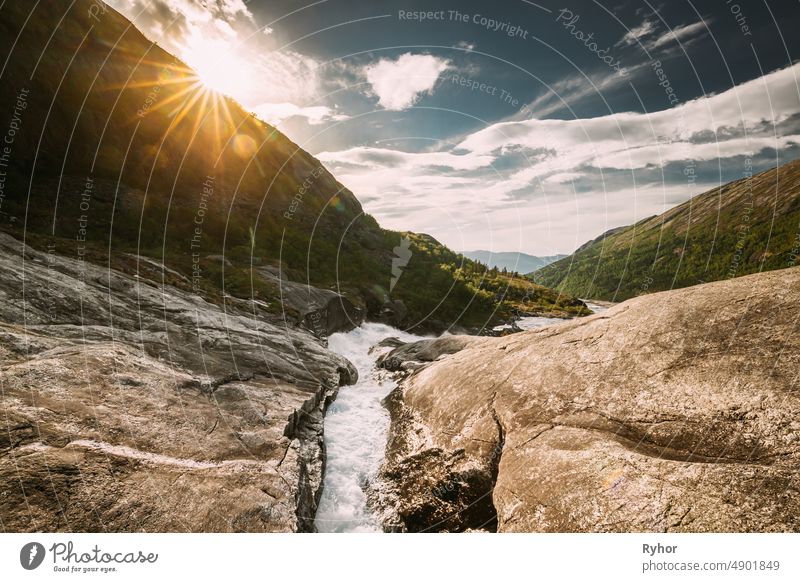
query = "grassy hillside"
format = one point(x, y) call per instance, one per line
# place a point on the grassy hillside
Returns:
point(119, 150)
point(483, 289)
point(743, 227)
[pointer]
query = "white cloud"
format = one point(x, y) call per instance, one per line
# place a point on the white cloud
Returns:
point(679, 33)
point(286, 76)
point(275, 113)
point(553, 184)
point(399, 83)
point(172, 22)
point(223, 42)
point(526, 183)
point(635, 140)
point(637, 33)
point(564, 177)
point(640, 157)
point(406, 161)
point(570, 90)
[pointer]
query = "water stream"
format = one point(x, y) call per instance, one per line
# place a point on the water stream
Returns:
point(356, 427)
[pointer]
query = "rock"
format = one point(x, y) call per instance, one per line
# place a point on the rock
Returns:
point(410, 356)
point(671, 412)
point(155, 269)
point(388, 342)
point(131, 406)
point(321, 311)
point(222, 259)
point(393, 312)
point(274, 271)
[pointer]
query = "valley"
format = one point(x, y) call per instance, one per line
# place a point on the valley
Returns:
point(204, 329)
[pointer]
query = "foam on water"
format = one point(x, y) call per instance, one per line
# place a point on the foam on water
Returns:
point(356, 428)
point(595, 307)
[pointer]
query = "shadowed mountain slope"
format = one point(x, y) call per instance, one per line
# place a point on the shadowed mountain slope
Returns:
point(119, 149)
point(743, 227)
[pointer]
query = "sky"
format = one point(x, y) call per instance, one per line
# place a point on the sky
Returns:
point(510, 125)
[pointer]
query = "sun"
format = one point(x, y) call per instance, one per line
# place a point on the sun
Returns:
point(201, 92)
point(220, 69)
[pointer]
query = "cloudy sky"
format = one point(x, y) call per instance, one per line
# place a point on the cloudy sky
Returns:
point(510, 125)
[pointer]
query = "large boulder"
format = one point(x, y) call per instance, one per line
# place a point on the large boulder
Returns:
point(321, 311)
point(671, 412)
point(406, 357)
point(128, 405)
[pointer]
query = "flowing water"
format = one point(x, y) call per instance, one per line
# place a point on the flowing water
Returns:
point(595, 307)
point(526, 323)
point(357, 425)
point(356, 428)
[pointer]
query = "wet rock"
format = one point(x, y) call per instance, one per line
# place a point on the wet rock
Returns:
point(411, 356)
point(671, 412)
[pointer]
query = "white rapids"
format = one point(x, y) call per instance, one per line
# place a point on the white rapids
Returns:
point(356, 429)
point(357, 426)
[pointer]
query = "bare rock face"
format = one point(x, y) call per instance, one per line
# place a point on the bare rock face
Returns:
point(321, 311)
point(132, 406)
point(671, 412)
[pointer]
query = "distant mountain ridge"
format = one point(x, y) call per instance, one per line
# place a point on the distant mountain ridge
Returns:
point(511, 261)
point(743, 227)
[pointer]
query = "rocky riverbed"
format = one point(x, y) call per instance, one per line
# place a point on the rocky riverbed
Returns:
point(129, 405)
point(671, 412)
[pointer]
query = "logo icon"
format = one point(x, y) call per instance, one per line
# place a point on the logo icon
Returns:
point(31, 555)
point(402, 254)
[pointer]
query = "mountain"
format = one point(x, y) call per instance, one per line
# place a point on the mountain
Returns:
point(648, 417)
point(510, 261)
point(119, 151)
point(170, 268)
point(745, 226)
